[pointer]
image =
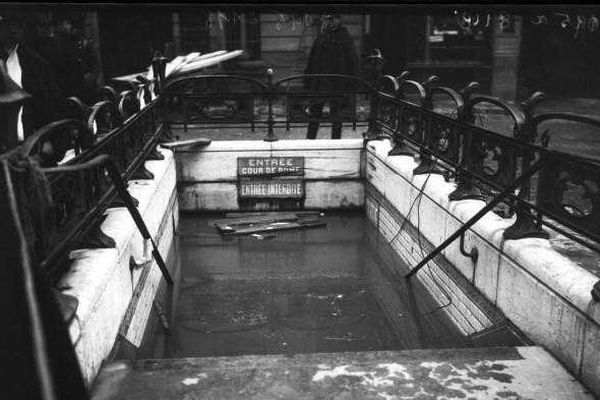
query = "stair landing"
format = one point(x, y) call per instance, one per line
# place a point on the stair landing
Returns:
point(477, 373)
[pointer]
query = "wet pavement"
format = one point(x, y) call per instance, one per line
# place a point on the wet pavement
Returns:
point(510, 373)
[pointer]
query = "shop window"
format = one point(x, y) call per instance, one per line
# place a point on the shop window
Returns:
point(443, 40)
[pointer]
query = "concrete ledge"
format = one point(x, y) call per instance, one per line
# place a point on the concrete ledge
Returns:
point(101, 279)
point(547, 295)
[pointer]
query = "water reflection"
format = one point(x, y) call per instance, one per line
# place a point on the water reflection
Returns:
point(332, 289)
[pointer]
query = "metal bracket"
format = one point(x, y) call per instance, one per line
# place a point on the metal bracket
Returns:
point(596, 291)
point(427, 166)
point(473, 255)
point(524, 226)
point(399, 148)
point(96, 238)
point(155, 154)
point(465, 190)
point(142, 173)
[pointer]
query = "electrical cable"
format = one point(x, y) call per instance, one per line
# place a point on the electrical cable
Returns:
point(410, 209)
point(418, 198)
point(431, 275)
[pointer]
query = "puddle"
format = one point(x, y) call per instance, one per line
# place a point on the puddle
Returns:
point(302, 291)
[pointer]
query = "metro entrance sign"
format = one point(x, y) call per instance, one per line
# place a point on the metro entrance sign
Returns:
point(270, 177)
point(270, 166)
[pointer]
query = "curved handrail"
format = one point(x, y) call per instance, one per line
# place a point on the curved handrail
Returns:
point(198, 77)
point(340, 76)
point(109, 93)
point(567, 116)
point(469, 89)
point(128, 104)
point(403, 76)
point(388, 82)
point(79, 106)
point(94, 162)
point(74, 136)
point(100, 106)
point(513, 110)
point(420, 89)
point(453, 94)
point(537, 120)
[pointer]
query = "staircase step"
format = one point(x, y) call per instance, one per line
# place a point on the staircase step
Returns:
point(481, 373)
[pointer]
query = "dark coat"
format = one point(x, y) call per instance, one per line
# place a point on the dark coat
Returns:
point(332, 53)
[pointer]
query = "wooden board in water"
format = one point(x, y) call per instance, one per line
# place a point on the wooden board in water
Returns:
point(280, 226)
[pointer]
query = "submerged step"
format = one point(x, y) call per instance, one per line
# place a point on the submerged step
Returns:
point(476, 373)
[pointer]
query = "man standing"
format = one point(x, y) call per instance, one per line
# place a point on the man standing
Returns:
point(332, 53)
point(30, 72)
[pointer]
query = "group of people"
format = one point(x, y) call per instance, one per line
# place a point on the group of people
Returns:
point(43, 57)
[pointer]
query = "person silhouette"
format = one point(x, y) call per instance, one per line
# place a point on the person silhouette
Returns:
point(332, 52)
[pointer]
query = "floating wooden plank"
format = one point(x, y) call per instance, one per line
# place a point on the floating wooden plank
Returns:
point(261, 219)
point(257, 218)
point(270, 213)
point(280, 226)
point(235, 224)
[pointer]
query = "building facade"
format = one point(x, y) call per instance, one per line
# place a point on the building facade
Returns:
point(510, 56)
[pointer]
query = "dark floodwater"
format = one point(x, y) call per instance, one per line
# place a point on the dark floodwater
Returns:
point(331, 289)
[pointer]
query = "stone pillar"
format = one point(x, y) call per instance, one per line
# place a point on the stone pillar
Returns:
point(505, 57)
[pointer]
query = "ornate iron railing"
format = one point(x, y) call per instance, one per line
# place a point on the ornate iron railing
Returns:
point(448, 129)
point(209, 100)
point(64, 190)
point(564, 195)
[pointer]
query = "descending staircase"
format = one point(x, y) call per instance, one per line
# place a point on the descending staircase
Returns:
point(476, 373)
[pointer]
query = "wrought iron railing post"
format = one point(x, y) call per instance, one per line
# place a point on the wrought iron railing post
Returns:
point(399, 147)
point(156, 124)
point(373, 131)
point(427, 164)
point(465, 187)
point(159, 65)
point(526, 224)
point(270, 119)
point(375, 66)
